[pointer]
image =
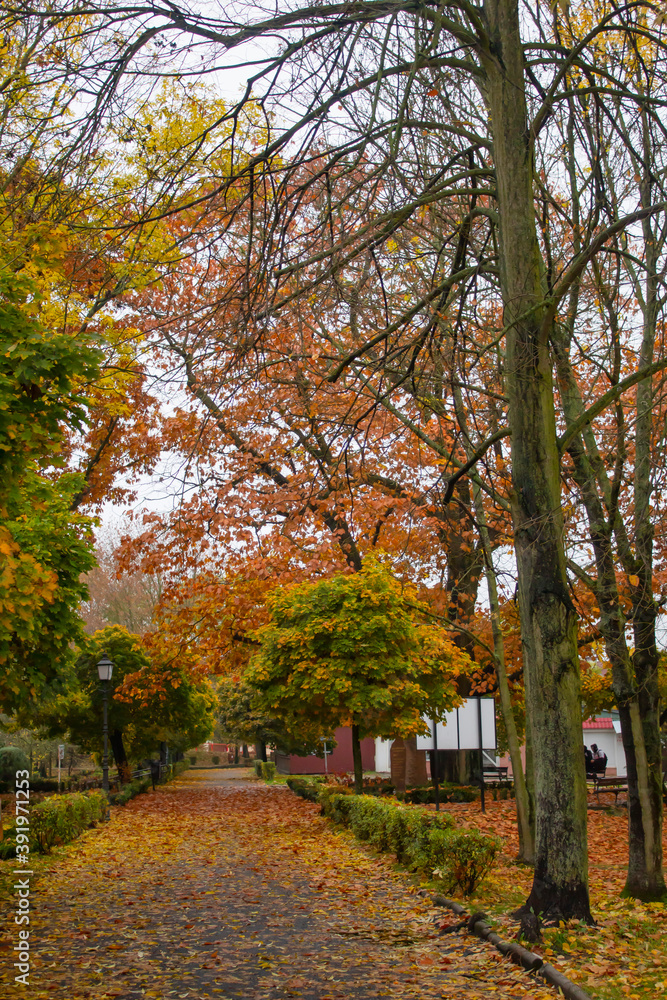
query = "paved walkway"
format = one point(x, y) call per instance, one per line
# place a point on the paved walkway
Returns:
point(219, 886)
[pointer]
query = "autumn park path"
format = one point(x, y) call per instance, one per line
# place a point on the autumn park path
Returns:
point(221, 886)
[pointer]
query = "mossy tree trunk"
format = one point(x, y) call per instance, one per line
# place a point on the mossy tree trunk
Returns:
point(548, 619)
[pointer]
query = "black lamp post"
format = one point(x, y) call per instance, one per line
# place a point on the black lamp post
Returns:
point(105, 670)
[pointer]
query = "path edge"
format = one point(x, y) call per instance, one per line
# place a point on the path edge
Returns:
point(529, 960)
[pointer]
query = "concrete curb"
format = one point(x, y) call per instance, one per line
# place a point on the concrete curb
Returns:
point(531, 962)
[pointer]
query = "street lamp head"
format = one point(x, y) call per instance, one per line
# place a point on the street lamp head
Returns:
point(105, 668)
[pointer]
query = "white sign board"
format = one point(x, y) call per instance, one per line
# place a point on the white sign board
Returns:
point(61, 751)
point(459, 730)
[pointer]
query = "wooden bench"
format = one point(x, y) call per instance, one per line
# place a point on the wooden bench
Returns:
point(615, 785)
point(498, 773)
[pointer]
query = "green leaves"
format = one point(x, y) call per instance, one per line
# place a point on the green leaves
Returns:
point(42, 373)
point(183, 716)
point(355, 649)
point(44, 549)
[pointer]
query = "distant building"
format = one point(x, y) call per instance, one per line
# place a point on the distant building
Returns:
point(339, 760)
point(605, 730)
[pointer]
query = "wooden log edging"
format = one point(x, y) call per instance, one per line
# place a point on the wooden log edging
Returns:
point(529, 960)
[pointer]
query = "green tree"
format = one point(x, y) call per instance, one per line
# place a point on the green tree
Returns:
point(181, 715)
point(355, 651)
point(243, 718)
point(44, 549)
point(42, 373)
point(44, 546)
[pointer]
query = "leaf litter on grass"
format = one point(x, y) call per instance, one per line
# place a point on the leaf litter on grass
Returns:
point(242, 890)
point(625, 954)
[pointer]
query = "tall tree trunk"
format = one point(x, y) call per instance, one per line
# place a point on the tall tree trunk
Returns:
point(548, 619)
point(119, 755)
point(637, 703)
point(524, 805)
point(645, 875)
point(639, 722)
point(356, 757)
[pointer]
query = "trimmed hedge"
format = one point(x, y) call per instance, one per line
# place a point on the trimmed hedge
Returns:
point(12, 759)
point(423, 841)
point(306, 789)
point(448, 792)
point(59, 819)
point(388, 825)
point(265, 769)
point(129, 791)
point(466, 856)
point(62, 818)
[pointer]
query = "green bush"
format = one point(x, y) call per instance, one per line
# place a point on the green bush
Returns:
point(327, 792)
point(424, 841)
point(59, 819)
point(215, 758)
point(306, 789)
point(461, 858)
point(193, 759)
point(128, 792)
point(12, 760)
point(448, 792)
point(268, 770)
point(335, 802)
point(179, 767)
point(8, 845)
point(49, 784)
point(258, 768)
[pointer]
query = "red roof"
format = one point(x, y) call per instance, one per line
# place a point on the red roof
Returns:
point(598, 723)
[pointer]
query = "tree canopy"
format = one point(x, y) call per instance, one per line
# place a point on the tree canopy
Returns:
point(182, 716)
point(355, 650)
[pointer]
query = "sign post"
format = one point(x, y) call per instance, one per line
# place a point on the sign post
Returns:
point(481, 755)
point(61, 756)
point(436, 773)
point(471, 726)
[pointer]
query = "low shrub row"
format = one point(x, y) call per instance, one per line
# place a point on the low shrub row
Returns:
point(38, 784)
point(265, 769)
point(127, 792)
point(56, 820)
point(306, 789)
point(447, 792)
point(62, 818)
point(424, 841)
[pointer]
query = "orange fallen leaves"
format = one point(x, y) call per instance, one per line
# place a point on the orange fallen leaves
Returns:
point(249, 924)
point(625, 953)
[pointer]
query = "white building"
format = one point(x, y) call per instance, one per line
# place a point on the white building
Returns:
point(605, 730)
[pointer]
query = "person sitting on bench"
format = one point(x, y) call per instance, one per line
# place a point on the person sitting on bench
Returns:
point(588, 761)
point(599, 761)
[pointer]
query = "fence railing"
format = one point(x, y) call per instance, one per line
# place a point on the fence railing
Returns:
point(115, 782)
